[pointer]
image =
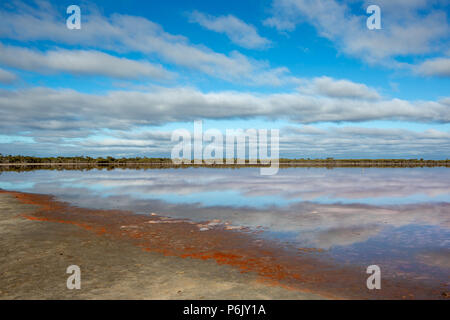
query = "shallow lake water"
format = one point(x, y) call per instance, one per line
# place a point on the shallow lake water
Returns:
point(397, 218)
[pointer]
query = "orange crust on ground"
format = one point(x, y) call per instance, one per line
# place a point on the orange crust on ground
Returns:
point(301, 269)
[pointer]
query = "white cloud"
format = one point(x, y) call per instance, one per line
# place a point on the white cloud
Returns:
point(124, 33)
point(71, 113)
point(339, 89)
point(408, 27)
point(7, 77)
point(349, 141)
point(81, 62)
point(434, 67)
point(306, 141)
point(239, 32)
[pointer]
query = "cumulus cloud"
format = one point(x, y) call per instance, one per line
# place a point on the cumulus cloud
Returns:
point(304, 142)
point(339, 89)
point(124, 33)
point(435, 67)
point(7, 77)
point(80, 62)
point(350, 141)
point(408, 27)
point(239, 32)
point(69, 122)
point(44, 109)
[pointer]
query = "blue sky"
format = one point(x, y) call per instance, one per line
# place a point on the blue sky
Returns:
point(137, 70)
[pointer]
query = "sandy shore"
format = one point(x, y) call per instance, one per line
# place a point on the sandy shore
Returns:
point(123, 255)
point(34, 256)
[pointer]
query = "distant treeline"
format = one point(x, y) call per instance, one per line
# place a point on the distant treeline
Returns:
point(21, 163)
point(78, 160)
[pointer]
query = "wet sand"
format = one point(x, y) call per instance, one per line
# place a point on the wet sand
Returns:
point(123, 255)
point(34, 256)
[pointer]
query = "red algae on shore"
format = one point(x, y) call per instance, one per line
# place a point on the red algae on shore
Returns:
point(273, 263)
